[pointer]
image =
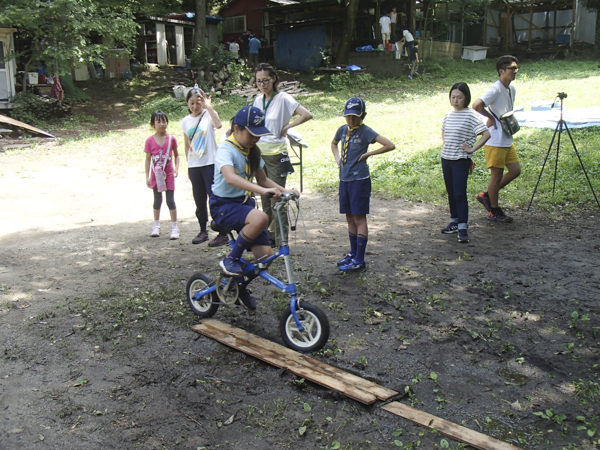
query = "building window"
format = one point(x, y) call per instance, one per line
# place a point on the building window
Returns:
point(235, 24)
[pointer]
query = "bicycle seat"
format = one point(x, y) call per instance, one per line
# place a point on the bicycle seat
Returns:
point(218, 228)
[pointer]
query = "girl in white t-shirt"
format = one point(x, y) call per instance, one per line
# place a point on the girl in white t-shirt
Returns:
point(278, 108)
point(199, 132)
point(460, 129)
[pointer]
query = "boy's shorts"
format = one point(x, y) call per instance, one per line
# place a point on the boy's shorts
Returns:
point(385, 36)
point(355, 196)
point(232, 212)
point(499, 157)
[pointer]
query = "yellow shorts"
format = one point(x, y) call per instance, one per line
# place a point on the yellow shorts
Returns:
point(499, 157)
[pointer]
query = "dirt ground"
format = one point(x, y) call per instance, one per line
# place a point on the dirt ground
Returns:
point(97, 350)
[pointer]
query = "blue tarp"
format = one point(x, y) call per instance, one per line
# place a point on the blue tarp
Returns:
point(575, 118)
point(300, 48)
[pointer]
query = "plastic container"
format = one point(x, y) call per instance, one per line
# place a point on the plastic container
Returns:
point(178, 91)
point(32, 77)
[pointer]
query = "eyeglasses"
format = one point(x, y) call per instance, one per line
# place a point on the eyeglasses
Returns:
point(513, 68)
point(265, 81)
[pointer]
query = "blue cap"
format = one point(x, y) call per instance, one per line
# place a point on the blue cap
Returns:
point(355, 107)
point(253, 119)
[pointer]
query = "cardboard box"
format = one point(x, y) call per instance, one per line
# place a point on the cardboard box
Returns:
point(117, 62)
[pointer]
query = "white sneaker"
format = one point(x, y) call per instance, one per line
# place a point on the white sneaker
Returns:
point(174, 233)
point(155, 231)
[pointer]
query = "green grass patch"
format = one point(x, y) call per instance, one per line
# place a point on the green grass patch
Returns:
point(409, 113)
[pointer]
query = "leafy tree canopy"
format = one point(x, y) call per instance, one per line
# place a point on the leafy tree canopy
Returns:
point(63, 32)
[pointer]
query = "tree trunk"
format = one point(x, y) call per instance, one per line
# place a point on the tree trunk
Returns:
point(200, 31)
point(349, 27)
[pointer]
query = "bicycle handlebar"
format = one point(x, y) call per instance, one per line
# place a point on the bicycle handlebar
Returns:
point(286, 197)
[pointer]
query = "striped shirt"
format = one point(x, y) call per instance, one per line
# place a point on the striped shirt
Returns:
point(460, 127)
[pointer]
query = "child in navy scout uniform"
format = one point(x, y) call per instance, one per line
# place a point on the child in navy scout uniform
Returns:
point(237, 161)
point(355, 180)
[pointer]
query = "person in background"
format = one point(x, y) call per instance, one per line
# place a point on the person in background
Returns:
point(254, 45)
point(234, 47)
point(355, 179)
point(460, 129)
point(408, 40)
point(244, 40)
point(162, 159)
point(200, 134)
point(262, 52)
point(384, 23)
point(414, 60)
point(279, 108)
point(500, 152)
point(393, 24)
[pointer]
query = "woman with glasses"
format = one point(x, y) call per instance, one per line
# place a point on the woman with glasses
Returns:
point(279, 108)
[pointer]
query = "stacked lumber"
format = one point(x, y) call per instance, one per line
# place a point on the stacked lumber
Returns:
point(249, 91)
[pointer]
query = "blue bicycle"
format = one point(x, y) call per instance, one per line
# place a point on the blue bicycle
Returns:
point(303, 326)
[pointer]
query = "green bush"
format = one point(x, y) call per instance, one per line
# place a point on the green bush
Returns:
point(215, 58)
point(33, 109)
point(78, 96)
point(347, 80)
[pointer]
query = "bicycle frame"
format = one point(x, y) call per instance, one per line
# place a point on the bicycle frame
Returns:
point(252, 270)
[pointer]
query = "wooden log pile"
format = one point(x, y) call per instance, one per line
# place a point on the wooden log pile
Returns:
point(249, 91)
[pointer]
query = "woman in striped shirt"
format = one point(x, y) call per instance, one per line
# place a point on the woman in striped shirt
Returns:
point(460, 129)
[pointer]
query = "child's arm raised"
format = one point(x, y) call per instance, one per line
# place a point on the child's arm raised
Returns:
point(335, 151)
point(386, 146)
point(206, 102)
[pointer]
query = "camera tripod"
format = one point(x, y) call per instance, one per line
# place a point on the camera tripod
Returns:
point(559, 129)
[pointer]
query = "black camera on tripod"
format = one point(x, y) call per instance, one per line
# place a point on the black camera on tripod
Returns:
point(562, 95)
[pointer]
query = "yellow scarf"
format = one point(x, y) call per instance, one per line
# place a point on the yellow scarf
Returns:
point(346, 143)
point(244, 151)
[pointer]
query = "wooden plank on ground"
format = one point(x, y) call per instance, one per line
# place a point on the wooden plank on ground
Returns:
point(350, 385)
point(16, 123)
point(254, 346)
point(380, 392)
point(452, 430)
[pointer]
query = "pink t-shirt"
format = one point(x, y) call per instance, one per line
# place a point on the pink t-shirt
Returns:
point(156, 151)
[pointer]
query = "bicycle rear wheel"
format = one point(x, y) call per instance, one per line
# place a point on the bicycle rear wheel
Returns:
point(207, 305)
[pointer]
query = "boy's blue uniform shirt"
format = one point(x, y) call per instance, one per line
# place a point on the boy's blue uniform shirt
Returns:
point(351, 169)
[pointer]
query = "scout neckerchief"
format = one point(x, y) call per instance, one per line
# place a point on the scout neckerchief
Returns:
point(266, 106)
point(346, 142)
point(244, 151)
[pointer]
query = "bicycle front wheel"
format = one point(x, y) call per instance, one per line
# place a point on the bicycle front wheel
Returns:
point(316, 329)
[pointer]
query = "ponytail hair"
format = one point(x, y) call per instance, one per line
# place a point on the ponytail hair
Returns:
point(254, 154)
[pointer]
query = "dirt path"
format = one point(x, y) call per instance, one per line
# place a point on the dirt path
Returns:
point(97, 350)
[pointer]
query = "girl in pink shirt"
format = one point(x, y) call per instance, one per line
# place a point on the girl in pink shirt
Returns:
point(162, 159)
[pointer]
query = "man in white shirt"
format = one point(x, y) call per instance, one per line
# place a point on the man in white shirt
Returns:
point(500, 151)
point(384, 23)
point(408, 40)
point(234, 47)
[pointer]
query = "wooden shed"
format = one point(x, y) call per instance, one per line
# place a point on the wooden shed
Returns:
point(7, 66)
point(169, 40)
point(538, 25)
